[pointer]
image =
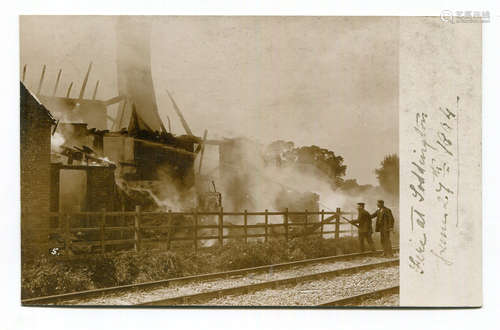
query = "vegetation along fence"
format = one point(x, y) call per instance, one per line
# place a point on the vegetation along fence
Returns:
point(83, 232)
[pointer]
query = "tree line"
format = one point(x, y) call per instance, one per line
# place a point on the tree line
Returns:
point(332, 167)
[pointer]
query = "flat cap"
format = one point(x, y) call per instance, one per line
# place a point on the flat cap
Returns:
point(380, 201)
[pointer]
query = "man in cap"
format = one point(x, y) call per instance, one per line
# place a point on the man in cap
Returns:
point(364, 224)
point(384, 225)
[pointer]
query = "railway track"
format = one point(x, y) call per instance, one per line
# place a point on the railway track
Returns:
point(359, 287)
point(357, 300)
point(86, 296)
point(201, 298)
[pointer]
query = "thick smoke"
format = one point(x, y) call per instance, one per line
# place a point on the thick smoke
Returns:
point(134, 68)
point(56, 142)
point(250, 181)
point(163, 194)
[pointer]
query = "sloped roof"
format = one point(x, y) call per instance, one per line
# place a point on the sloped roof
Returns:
point(26, 95)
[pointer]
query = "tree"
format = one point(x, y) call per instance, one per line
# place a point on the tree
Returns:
point(388, 174)
point(352, 187)
point(278, 148)
point(323, 159)
point(311, 158)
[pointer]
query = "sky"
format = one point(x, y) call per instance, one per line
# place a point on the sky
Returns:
point(325, 81)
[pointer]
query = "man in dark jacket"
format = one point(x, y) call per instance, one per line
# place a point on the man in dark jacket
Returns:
point(364, 223)
point(384, 225)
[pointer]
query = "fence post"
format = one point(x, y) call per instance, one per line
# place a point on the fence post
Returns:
point(286, 224)
point(137, 228)
point(337, 223)
point(352, 227)
point(245, 221)
point(322, 220)
point(61, 225)
point(305, 223)
point(67, 235)
point(265, 225)
point(170, 228)
point(221, 227)
point(195, 231)
point(103, 224)
point(122, 221)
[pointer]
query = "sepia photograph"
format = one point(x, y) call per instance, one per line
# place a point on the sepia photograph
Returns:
point(209, 161)
point(253, 165)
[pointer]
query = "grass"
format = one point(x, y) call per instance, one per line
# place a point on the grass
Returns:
point(49, 275)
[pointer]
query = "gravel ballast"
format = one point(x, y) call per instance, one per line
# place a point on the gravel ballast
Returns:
point(387, 300)
point(315, 292)
point(140, 296)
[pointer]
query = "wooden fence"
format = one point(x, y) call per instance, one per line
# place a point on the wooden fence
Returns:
point(106, 231)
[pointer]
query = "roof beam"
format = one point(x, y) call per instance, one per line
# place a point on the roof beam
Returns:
point(95, 90)
point(24, 73)
point(69, 90)
point(41, 80)
point(202, 150)
point(85, 80)
point(114, 100)
point(119, 126)
point(181, 117)
point(178, 150)
point(57, 82)
point(169, 127)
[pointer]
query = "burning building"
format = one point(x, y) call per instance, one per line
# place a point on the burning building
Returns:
point(82, 164)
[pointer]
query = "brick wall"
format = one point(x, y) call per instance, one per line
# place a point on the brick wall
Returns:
point(35, 167)
point(100, 188)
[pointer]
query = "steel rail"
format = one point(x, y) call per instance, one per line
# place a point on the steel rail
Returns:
point(198, 298)
point(52, 299)
point(350, 301)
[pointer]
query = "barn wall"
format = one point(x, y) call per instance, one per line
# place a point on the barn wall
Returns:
point(101, 188)
point(35, 168)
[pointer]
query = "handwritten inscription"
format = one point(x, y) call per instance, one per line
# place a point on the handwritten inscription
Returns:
point(433, 186)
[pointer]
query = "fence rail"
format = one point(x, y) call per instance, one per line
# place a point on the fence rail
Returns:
point(96, 231)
